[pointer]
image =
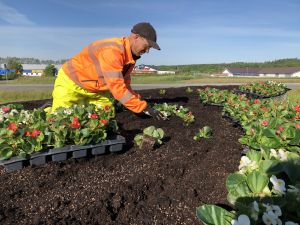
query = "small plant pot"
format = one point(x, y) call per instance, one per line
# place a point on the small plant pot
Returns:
point(59, 157)
point(15, 163)
point(59, 154)
point(79, 154)
point(115, 148)
point(98, 150)
point(37, 159)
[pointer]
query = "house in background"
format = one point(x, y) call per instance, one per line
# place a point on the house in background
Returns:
point(230, 72)
point(147, 69)
point(35, 70)
point(263, 72)
point(280, 72)
point(143, 69)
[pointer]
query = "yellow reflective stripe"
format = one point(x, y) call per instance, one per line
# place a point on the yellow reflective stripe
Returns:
point(125, 97)
point(96, 62)
point(113, 74)
point(73, 74)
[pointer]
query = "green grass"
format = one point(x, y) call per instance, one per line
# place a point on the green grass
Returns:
point(17, 96)
point(294, 96)
point(160, 79)
point(29, 80)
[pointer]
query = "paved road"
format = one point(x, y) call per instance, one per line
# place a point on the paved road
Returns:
point(28, 87)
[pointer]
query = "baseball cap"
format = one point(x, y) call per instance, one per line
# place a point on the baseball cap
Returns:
point(147, 31)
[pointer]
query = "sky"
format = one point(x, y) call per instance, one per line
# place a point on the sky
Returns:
point(188, 31)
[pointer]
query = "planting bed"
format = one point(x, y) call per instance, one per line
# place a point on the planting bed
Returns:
point(136, 186)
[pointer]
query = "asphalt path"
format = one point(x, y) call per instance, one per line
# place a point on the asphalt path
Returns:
point(28, 87)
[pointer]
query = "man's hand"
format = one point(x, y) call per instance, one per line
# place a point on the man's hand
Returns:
point(154, 113)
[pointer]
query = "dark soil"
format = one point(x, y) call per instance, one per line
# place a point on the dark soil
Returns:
point(137, 186)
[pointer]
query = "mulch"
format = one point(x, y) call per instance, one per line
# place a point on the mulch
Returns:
point(137, 186)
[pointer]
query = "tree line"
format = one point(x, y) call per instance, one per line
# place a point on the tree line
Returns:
point(16, 63)
point(25, 60)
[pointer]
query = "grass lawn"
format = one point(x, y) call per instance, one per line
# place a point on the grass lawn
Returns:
point(155, 79)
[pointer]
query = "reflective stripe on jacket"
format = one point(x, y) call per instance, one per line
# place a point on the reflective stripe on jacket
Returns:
point(106, 65)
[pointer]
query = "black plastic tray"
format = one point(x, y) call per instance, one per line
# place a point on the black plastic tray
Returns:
point(281, 96)
point(113, 144)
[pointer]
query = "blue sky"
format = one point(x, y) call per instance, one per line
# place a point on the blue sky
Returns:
point(189, 31)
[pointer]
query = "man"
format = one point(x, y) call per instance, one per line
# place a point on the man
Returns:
point(103, 69)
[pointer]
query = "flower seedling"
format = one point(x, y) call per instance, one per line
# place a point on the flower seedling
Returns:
point(162, 91)
point(189, 90)
point(205, 132)
point(150, 137)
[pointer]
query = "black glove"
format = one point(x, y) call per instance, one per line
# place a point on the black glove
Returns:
point(154, 113)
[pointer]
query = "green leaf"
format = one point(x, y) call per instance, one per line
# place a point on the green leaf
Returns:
point(237, 187)
point(254, 155)
point(6, 152)
point(214, 215)
point(270, 142)
point(257, 181)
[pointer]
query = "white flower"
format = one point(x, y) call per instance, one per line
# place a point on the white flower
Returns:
point(1, 119)
point(255, 211)
point(290, 223)
point(278, 184)
point(242, 220)
point(245, 161)
point(68, 111)
point(282, 155)
point(269, 219)
point(277, 210)
point(273, 153)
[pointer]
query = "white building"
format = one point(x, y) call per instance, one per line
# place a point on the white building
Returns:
point(263, 72)
point(35, 69)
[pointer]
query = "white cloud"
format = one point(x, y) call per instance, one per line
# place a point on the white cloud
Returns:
point(12, 16)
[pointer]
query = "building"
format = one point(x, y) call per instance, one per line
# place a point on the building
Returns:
point(143, 69)
point(147, 69)
point(35, 69)
point(230, 72)
point(280, 72)
point(263, 72)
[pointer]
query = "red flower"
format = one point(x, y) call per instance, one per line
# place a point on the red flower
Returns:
point(107, 107)
point(297, 108)
point(94, 116)
point(210, 94)
point(104, 121)
point(5, 109)
point(35, 133)
point(280, 130)
point(12, 126)
point(27, 134)
point(265, 123)
point(190, 113)
point(297, 125)
point(264, 108)
point(256, 101)
point(75, 123)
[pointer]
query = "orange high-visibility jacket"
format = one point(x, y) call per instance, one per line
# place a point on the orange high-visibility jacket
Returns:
point(106, 65)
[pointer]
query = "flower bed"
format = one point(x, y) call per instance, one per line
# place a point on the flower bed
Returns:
point(161, 186)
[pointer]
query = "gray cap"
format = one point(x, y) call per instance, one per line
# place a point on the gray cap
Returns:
point(147, 31)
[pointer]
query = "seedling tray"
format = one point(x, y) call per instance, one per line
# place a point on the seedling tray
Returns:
point(279, 97)
point(234, 121)
point(112, 144)
point(212, 104)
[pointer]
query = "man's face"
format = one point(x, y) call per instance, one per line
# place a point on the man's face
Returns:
point(140, 46)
